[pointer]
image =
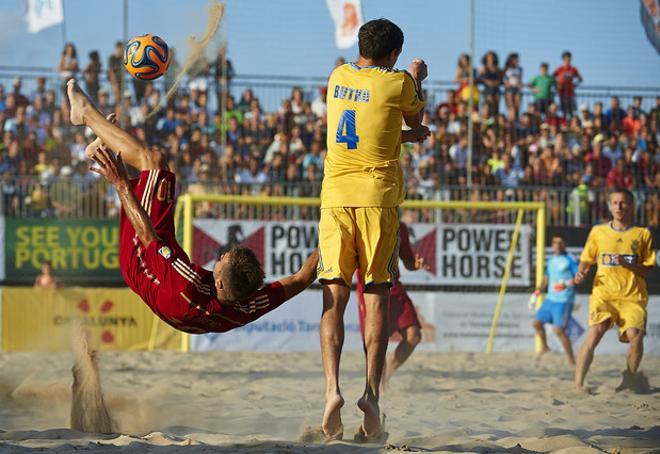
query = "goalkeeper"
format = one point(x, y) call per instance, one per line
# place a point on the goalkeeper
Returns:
point(558, 303)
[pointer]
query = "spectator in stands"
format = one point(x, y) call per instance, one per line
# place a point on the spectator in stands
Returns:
point(319, 105)
point(46, 280)
point(68, 66)
point(91, 73)
point(513, 81)
point(612, 150)
point(490, 76)
point(601, 164)
point(40, 90)
point(567, 77)
point(620, 176)
point(542, 86)
point(20, 99)
point(507, 175)
point(224, 73)
point(614, 115)
point(116, 70)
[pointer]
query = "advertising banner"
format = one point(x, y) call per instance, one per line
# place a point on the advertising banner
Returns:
point(470, 255)
point(79, 250)
point(450, 322)
point(116, 319)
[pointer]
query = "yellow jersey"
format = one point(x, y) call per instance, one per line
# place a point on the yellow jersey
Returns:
point(365, 106)
point(614, 281)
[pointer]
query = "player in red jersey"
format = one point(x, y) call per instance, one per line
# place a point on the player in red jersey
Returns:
point(184, 295)
point(402, 315)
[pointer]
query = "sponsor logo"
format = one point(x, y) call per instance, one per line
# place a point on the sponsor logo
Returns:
point(165, 252)
point(608, 259)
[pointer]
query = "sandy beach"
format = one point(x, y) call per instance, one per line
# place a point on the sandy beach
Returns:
point(455, 402)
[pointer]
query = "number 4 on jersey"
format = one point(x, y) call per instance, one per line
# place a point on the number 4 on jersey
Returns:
point(347, 121)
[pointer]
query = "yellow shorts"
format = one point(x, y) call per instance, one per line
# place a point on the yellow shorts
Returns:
point(365, 238)
point(626, 313)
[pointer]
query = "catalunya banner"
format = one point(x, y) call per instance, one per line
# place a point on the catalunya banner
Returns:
point(79, 250)
point(469, 255)
point(115, 319)
point(347, 17)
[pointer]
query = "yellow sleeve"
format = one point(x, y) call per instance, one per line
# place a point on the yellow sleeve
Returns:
point(647, 251)
point(590, 251)
point(410, 102)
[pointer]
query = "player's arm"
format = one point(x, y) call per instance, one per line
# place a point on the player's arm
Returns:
point(583, 270)
point(112, 168)
point(544, 285)
point(637, 268)
point(415, 135)
point(646, 258)
point(418, 72)
point(303, 278)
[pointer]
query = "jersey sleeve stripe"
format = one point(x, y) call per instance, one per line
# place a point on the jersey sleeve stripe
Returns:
point(191, 272)
point(147, 191)
point(150, 197)
point(205, 289)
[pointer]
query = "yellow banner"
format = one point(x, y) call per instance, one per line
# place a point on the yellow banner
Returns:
point(116, 319)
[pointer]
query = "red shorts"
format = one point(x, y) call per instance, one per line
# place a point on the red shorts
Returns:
point(402, 313)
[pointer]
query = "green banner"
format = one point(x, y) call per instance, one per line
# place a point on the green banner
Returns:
point(81, 251)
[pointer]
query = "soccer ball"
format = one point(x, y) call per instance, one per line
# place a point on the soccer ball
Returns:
point(146, 57)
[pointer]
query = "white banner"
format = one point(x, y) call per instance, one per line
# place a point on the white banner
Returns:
point(43, 14)
point(347, 16)
point(450, 322)
point(469, 255)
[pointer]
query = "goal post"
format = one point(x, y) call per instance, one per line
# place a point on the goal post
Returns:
point(255, 211)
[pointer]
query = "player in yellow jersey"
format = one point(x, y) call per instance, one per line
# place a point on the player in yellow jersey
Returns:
point(362, 188)
point(624, 256)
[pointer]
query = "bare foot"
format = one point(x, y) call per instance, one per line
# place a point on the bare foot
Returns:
point(543, 351)
point(79, 103)
point(97, 143)
point(332, 425)
point(371, 420)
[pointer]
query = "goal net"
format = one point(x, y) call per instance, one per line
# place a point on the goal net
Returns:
point(483, 260)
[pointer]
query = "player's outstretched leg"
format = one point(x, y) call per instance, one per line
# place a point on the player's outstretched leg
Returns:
point(375, 340)
point(83, 112)
point(566, 343)
point(632, 378)
point(335, 298)
point(411, 337)
point(540, 332)
point(98, 143)
point(586, 355)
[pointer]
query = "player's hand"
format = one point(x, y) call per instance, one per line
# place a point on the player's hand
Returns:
point(420, 263)
point(579, 278)
point(418, 69)
point(421, 133)
point(109, 166)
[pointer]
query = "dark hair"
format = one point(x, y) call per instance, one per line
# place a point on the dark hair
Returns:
point(558, 235)
point(566, 54)
point(378, 38)
point(94, 56)
point(545, 65)
point(496, 60)
point(243, 275)
point(509, 59)
point(74, 54)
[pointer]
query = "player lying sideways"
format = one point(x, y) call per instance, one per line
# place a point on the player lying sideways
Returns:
point(184, 295)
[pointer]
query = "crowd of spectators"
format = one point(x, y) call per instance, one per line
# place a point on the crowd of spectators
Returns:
point(548, 143)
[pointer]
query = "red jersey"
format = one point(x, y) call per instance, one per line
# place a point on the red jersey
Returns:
point(181, 293)
point(566, 78)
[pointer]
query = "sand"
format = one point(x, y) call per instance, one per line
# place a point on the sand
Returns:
point(457, 402)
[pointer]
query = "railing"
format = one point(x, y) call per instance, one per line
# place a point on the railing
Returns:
point(90, 198)
point(273, 89)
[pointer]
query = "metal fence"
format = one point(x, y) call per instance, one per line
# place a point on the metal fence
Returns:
point(272, 90)
point(94, 198)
